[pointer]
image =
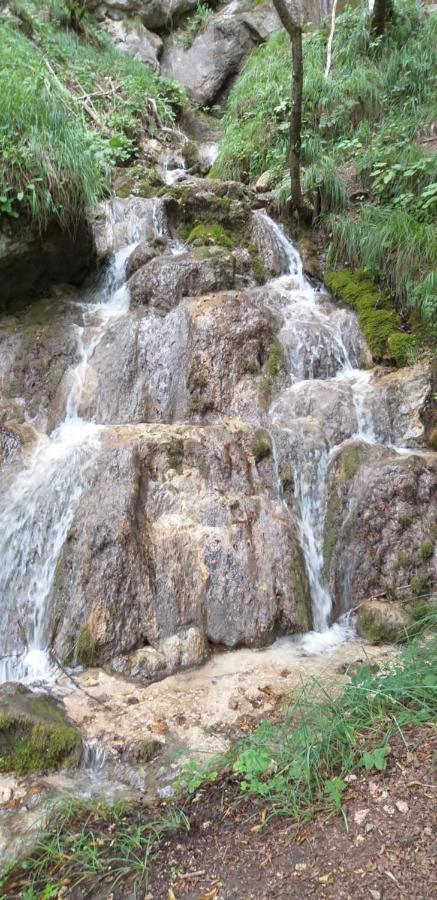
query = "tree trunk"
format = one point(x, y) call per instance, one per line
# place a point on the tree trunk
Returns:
point(296, 122)
point(382, 11)
point(294, 30)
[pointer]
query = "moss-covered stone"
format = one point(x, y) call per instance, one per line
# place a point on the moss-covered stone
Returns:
point(350, 462)
point(258, 269)
point(210, 233)
point(261, 445)
point(301, 591)
point(137, 181)
point(275, 362)
point(402, 348)
point(34, 734)
point(378, 319)
point(190, 154)
point(86, 649)
point(380, 622)
point(175, 456)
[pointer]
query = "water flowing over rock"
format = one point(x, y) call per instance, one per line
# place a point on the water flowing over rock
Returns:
point(192, 461)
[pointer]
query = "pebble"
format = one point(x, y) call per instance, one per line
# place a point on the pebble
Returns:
point(402, 806)
point(390, 810)
point(376, 895)
point(360, 816)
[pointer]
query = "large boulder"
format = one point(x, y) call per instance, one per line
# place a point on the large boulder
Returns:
point(229, 342)
point(379, 526)
point(153, 13)
point(180, 528)
point(227, 203)
point(165, 280)
point(399, 400)
point(35, 735)
point(136, 40)
point(214, 57)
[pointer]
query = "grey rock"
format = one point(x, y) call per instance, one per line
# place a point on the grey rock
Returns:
point(399, 399)
point(379, 515)
point(179, 529)
point(136, 40)
point(165, 280)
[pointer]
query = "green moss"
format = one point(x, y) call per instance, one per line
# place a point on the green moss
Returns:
point(86, 650)
point(265, 386)
point(261, 446)
point(275, 362)
point(374, 629)
point(426, 549)
point(350, 462)
point(148, 749)
point(402, 348)
point(27, 746)
point(258, 269)
point(419, 584)
point(405, 519)
point(211, 233)
point(301, 592)
point(139, 181)
point(378, 320)
point(403, 561)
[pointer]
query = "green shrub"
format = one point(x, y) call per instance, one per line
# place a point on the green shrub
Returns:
point(261, 446)
point(86, 649)
point(427, 550)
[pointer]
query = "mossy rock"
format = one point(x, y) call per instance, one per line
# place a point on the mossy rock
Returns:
point(190, 154)
point(261, 445)
point(86, 650)
point(259, 272)
point(402, 348)
point(34, 733)
point(301, 591)
point(210, 233)
point(137, 181)
point(381, 622)
point(378, 319)
point(275, 362)
point(309, 254)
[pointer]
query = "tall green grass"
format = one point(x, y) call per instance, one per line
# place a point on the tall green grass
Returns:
point(365, 117)
point(70, 107)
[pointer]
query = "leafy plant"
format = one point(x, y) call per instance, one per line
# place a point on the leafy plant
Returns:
point(375, 759)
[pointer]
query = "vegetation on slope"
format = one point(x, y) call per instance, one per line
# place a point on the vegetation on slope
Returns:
point(71, 106)
point(363, 124)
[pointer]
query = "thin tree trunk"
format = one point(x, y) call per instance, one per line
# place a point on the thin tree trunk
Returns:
point(330, 40)
point(292, 17)
point(296, 122)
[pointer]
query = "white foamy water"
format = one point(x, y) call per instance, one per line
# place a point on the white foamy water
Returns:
point(37, 508)
point(319, 343)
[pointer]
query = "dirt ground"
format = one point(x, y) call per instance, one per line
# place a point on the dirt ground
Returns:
point(387, 851)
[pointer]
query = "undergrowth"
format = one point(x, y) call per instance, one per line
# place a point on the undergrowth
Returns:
point(294, 765)
point(365, 128)
point(71, 106)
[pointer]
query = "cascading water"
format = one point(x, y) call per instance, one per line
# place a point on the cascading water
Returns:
point(315, 348)
point(37, 508)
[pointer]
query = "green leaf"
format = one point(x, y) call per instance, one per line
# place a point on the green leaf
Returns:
point(375, 759)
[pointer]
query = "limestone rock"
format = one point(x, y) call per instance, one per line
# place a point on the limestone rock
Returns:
point(153, 13)
point(124, 221)
point(264, 182)
point(398, 404)
point(209, 200)
point(379, 524)
point(143, 254)
point(215, 55)
point(179, 529)
point(382, 622)
point(165, 280)
point(136, 40)
point(229, 341)
point(184, 650)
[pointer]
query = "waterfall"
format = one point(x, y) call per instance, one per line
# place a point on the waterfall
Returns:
point(37, 508)
point(315, 348)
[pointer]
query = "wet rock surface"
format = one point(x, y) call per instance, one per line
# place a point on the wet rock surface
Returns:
point(379, 525)
point(190, 534)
